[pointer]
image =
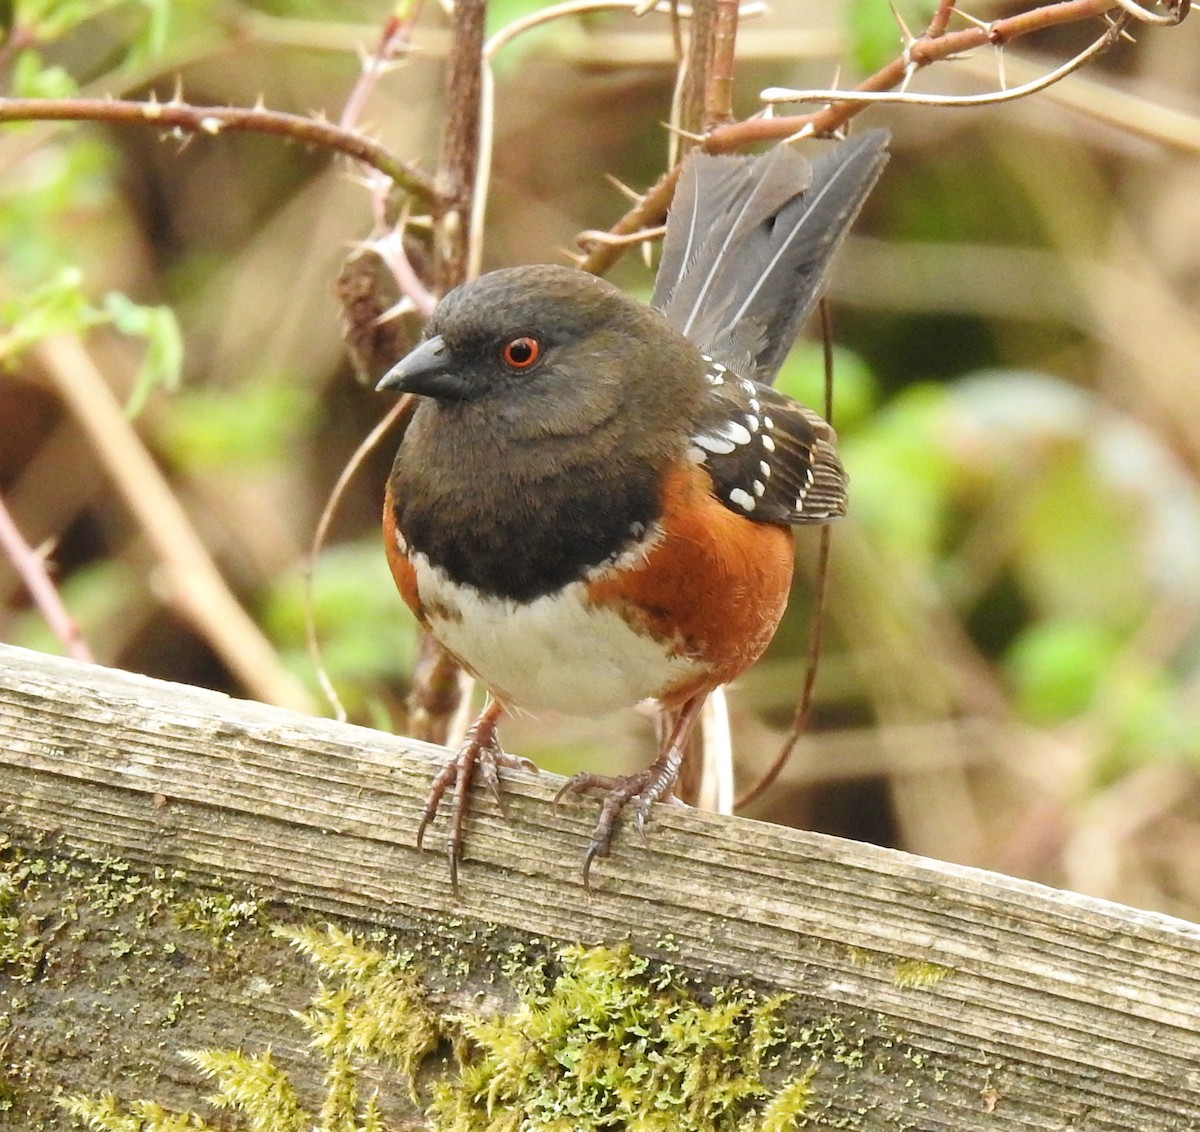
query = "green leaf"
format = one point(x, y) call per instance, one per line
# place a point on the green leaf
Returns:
point(1056, 667)
point(367, 635)
point(59, 306)
point(152, 41)
point(31, 78)
point(872, 34)
point(162, 365)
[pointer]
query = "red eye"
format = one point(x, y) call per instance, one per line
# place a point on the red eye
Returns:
point(521, 352)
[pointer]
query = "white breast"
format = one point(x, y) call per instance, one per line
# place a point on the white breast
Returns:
point(553, 654)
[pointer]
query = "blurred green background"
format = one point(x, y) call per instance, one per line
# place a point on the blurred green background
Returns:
point(1012, 670)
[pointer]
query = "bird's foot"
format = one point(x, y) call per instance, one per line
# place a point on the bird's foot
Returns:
point(479, 756)
point(638, 791)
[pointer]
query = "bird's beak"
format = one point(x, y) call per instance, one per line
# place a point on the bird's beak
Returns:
point(428, 370)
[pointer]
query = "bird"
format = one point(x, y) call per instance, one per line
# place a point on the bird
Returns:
point(592, 499)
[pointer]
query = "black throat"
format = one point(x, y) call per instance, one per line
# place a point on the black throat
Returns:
point(515, 524)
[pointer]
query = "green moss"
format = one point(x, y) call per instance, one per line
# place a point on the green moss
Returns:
point(375, 1012)
point(574, 1039)
point(599, 1038)
point(917, 973)
point(216, 915)
point(20, 945)
point(611, 1041)
point(106, 1114)
point(379, 1010)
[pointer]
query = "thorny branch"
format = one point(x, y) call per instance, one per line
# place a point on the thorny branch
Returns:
point(934, 45)
point(718, 98)
point(213, 120)
point(32, 568)
point(457, 164)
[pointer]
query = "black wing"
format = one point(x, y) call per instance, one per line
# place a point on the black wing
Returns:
point(770, 458)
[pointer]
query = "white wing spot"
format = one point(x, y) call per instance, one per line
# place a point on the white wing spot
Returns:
point(695, 454)
point(759, 488)
point(768, 444)
point(768, 423)
point(715, 371)
point(752, 423)
point(743, 499)
point(755, 405)
point(738, 433)
point(717, 445)
point(765, 468)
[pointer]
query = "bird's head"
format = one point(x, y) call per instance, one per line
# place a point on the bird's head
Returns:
point(549, 350)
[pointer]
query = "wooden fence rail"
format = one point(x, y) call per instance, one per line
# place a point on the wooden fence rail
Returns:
point(1026, 1007)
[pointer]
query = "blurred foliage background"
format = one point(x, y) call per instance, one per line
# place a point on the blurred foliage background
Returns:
point(1012, 669)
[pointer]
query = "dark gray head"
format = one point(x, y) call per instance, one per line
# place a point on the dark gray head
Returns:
point(560, 340)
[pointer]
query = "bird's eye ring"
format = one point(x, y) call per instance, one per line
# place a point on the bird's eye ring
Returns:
point(520, 353)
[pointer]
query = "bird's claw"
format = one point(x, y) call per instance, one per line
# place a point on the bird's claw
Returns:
point(479, 756)
point(639, 790)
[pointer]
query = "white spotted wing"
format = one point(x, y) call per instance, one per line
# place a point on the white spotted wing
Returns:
point(770, 458)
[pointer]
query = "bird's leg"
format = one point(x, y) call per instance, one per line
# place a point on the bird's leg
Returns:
point(480, 753)
point(642, 788)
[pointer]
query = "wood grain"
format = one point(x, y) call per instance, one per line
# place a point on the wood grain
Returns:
point(1012, 1005)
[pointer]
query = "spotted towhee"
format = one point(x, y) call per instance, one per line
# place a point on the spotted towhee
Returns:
point(591, 501)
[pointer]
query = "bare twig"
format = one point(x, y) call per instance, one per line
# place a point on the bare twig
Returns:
point(459, 158)
point(213, 120)
point(193, 584)
point(689, 104)
point(519, 26)
point(941, 19)
point(32, 569)
point(935, 45)
point(437, 688)
point(920, 53)
point(395, 40)
point(716, 774)
point(989, 98)
point(718, 98)
point(365, 448)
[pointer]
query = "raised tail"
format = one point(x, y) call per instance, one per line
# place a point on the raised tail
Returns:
point(748, 243)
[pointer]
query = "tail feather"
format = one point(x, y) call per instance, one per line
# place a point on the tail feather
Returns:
point(749, 240)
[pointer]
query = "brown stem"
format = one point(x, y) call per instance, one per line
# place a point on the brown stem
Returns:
point(647, 213)
point(213, 120)
point(188, 578)
point(459, 158)
point(436, 690)
point(29, 565)
point(691, 103)
point(921, 53)
point(395, 41)
point(718, 98)
point(941, 19)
